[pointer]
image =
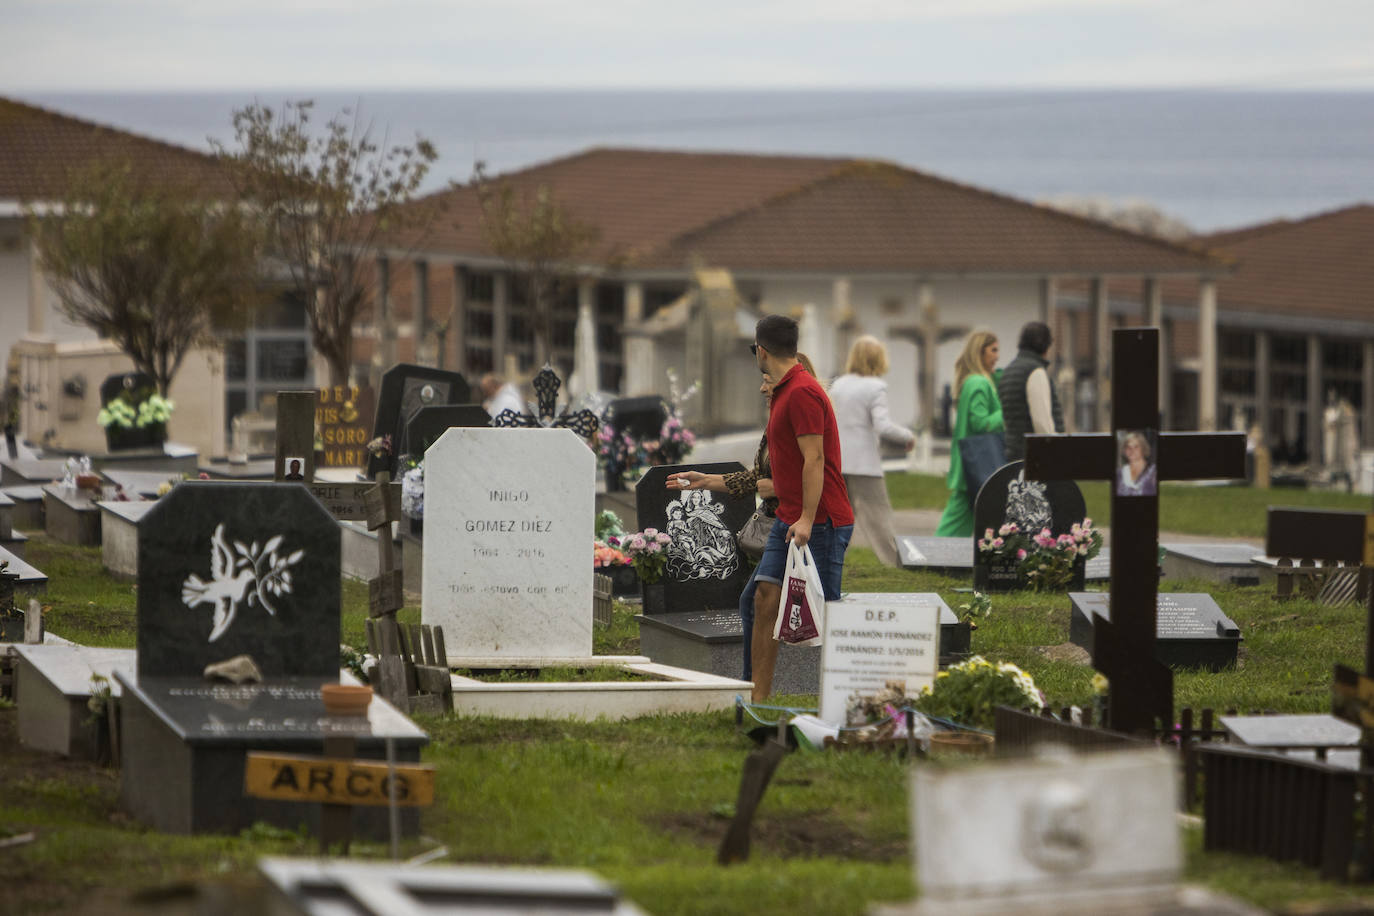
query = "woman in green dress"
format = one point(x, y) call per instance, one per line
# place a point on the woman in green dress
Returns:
point(979, 412)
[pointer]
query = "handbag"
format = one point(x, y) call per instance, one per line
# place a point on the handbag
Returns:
point(981, 455)
point(801, 610)
point(753, 537)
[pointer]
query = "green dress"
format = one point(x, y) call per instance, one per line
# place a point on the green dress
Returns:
point(979, 412)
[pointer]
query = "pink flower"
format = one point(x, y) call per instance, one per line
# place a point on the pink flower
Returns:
point(997, 543)
point(664, 538)
point(1021, 554)
point(988, 534)
point(637, 542)
point(1087, 523)
point(650, 532)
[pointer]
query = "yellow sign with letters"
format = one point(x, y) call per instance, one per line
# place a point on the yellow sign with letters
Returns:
point(338, 782)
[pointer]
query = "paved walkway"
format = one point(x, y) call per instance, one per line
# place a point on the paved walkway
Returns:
point(923, 522)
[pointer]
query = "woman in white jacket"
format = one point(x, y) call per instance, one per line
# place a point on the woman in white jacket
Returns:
point(860, 399)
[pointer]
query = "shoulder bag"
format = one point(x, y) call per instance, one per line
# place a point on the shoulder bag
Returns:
point(981, 455)
point(753, 537)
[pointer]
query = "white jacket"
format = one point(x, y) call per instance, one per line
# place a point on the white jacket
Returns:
point(861, 412)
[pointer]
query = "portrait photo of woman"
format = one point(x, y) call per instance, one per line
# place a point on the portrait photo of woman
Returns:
point(1137, 476)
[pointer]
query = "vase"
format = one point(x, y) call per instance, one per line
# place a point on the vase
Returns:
point(624, 579)
point(653, 597)
point(118, 438)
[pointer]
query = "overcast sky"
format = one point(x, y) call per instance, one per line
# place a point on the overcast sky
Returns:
point(229, 44)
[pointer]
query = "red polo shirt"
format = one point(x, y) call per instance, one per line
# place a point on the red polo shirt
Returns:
point(802, 408)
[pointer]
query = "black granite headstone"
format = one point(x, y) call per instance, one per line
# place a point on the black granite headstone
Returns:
point(405, 389)
point(641, 417)
point(1192, 630)
point(226, 569)
point(705, 568)
point(1032, 505)
point(131, 382)
point(429, 423)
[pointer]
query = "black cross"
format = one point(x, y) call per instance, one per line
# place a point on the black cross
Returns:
point(1142, 689)
point(546, 385)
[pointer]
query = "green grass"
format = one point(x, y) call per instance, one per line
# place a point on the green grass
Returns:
point(646, 802)
point(1226, 511)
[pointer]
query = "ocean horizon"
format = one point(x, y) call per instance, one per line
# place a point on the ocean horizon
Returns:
point(1213, 158)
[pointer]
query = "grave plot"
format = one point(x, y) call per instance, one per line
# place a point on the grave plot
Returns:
point(71, 514)
point(1193, 631)
point(955, 557)
point(514, 509)
point(19, 472)
point(27, 512)
point(405, 389)
point(53, 687)
point(1224, 564)
point(119, 535)
point(1010, 496)
point(10, 539)
point(227, 570)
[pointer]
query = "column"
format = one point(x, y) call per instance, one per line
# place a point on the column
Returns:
point(456, 343)
point(1152, 297)
point(1316, 392)
point(586, 374)
point(929, 318)
point(1102, 353)
point(1048, 294)
point(1207, 354)
point(500, 283)
point(1367, 396)
point(1263, 384)
point(639, 349)
point(38, 315)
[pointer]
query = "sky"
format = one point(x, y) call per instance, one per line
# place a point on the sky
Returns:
point(50, 45)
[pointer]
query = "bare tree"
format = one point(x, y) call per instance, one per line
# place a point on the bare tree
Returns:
point(540, 241)
point(329, 198)
point(1136, 215)
point(154, 266)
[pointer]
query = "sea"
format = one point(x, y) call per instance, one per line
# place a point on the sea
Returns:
point(1214, 159)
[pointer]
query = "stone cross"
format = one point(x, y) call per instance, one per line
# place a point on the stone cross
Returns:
point(1142, 694)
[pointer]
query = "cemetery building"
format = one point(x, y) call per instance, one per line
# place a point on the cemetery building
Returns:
point(1286, 330)
point(61, 364)
point(847, 246)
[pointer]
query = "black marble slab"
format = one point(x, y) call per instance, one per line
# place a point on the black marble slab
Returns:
point(405, 389)
point(431, 422)
point(642, 417)
point(1032, 505)
point(1192, 630)
point(954, 557)
point(705, 569)
point(238, 568)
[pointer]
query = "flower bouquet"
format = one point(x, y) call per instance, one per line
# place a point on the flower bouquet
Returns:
point(648, 553)
point(1041, 561)
point(135, 418)
point(968, 692)
point(615, 563)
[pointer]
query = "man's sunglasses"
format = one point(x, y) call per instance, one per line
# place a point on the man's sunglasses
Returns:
point(754, 349)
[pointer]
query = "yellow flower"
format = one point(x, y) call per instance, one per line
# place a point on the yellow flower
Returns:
point(1100, 684)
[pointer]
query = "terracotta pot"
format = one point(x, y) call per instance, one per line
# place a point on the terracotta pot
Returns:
point(346, 699)
point(961, 744)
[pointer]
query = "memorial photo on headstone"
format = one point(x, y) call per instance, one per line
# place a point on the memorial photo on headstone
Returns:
point(1136, 449)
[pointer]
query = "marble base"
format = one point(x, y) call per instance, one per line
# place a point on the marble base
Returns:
point(52, 688)
point(1225, 564)
point(119, 536)
point(70, 516)
point(27, 512)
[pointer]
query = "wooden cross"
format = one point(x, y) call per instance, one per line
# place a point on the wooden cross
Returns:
point(1142, 692)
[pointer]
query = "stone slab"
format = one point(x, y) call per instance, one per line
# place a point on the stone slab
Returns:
point(954, 557)
point(16, 472)
point(119, 535)
point(70, 517)
point(1193, 631)
point(259, 469)
point(16, 543)
point(1223, 563)
point(139, 483)
point(28, 506)
point(32, 581)
point(1288, 731)
point(513, 511)
point(52, 688)
point(183, 742)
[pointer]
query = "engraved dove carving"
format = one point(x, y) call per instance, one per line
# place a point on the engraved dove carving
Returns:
point(233, 572)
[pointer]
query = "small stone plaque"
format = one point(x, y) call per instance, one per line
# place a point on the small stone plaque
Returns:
point(431, 422)
point(405, 389)
point(1032, 505)
point(705, 570)
point(1295, 731)
point(226, 569)
point(871, 639)
point(345, 501)
point(1193, 632)
point(948, 556)
point(513, 510)
point(1223, 563)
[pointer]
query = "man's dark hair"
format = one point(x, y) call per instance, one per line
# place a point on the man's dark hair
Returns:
point(1035, 337)
point(778, 335)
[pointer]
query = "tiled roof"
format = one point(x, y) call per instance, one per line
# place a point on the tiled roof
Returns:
point(39, 149)
point(663, 209)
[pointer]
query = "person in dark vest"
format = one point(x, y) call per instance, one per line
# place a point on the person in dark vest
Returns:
point(1029, 401)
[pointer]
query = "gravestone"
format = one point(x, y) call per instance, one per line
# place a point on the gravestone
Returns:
point(53, 687)
point(1008, 497)
point(641, 417)
point(405, 389)
point(228, 569)
point(1298, 736)
point(705, 569)
point(70, 515)
point(513, 509)
point(341, 421)
point(954, 557)
point(1224, 564)
point(1193, 631)
point(873, 639)
point(294, 443)
point(429, 423)
point(1142, 696)
point(119, 535)
point(134, 383)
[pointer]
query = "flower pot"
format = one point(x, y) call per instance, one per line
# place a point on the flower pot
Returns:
point(346, 699)
point(960, 744)
point(624, 579)
point(118, 437)
point(653, 597)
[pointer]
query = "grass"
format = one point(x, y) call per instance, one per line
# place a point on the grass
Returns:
point(1225, 511)
point(645, 802)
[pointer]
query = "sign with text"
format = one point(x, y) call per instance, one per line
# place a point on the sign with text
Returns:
point(512, 508)
point(342, 416)
point(284, 777)
point(871, 639)
point(345, 500)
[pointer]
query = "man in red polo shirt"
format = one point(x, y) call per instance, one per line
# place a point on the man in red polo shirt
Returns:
point(813, 505)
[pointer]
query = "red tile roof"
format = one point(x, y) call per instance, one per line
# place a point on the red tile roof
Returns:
point(662, 209)
point(39, 149)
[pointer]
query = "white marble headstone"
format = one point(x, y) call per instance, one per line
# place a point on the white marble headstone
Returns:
point(873, 638)
point(1095, 831)
point(508, 525)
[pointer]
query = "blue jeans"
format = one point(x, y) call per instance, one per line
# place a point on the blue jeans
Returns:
point(828, 544)
point(746, 616)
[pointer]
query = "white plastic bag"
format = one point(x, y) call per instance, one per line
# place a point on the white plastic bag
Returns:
point(801, 611)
